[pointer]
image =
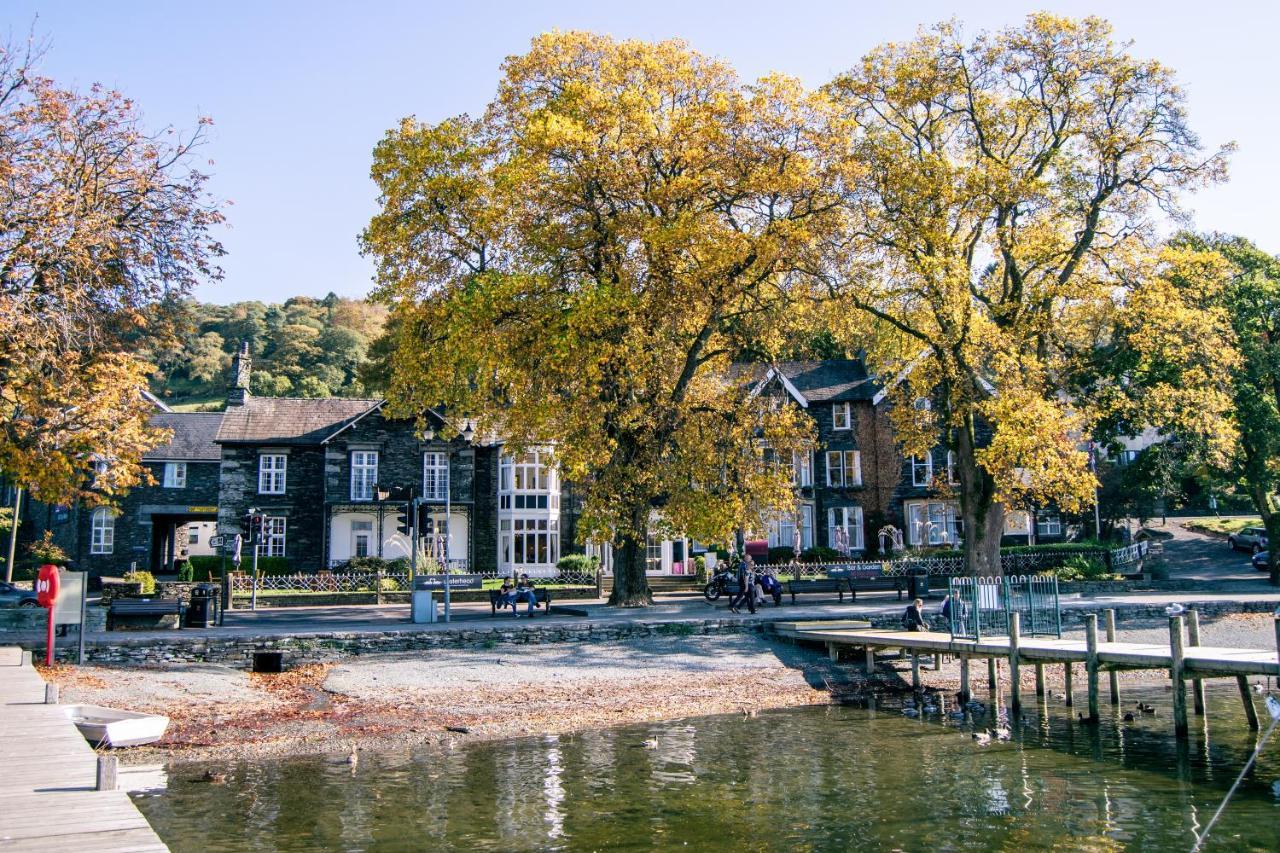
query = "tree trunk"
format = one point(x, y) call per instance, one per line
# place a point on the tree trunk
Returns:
point(1271, 521)
point(630, 585)
point(983, 517)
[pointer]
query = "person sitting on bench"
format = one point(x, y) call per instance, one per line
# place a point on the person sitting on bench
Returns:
point(524, 592)
point(507, 595)
point(913, 619)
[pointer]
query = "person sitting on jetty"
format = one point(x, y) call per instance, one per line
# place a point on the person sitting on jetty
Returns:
point(524, 592)
point(913, 619)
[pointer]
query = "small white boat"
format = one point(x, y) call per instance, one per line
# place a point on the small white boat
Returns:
point(115, 728)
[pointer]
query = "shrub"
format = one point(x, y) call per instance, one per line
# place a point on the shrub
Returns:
point(186, 572)
point(577, 564)
point(781, 554)
point(47, 551)
point(144, 579)
point(205, 566)
point(1078, 567)
point(819, 554)
point(700, 567)
point(389, 585)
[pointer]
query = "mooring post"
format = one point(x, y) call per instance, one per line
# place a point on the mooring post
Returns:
point(51, 694)
point(1091, 662)
point(937, 661)
point(1067, 673)
point(1250, 712)
point(106, 773)
point(1113, 676)
point(964, 678)
point(871, 659)
point(1039, 681)
point(993, 675)
point(915, 669)
point(1180, 727)
point(833, 651)
point(1193, 639)
point(1015, 665)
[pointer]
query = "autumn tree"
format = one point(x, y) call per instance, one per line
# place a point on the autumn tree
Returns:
point(1000, 196)
point(578, 267)
point(104, 227)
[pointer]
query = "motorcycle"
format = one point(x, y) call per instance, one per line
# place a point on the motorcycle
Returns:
point(722, 582)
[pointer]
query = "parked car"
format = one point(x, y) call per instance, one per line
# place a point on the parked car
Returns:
point(1261, 561)
point(12, 596)
point(1250, 539)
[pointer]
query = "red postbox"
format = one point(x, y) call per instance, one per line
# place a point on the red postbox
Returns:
point(47, 597)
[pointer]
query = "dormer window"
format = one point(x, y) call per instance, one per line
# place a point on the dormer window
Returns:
point(840, 416)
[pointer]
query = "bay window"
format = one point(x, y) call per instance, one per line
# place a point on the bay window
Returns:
point(934, 523)
point(848, 519)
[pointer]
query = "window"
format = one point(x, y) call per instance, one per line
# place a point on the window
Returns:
point(528, 541)
point(802, 468)
point(934, 523)
point(528, 482)
point(951, 468)
point(364, 474)
point(193, 535)
point(848, 519)
point(840, 416)
point(175, 475)
point(271, 470)
point(844, 468)
point(922, 470)
point(652, 554)
point(273, 536)
point(783, 531)
point(361, 537)
point(103, 532)
point(1048, 524)
point(435, 476)
point(1128, 457)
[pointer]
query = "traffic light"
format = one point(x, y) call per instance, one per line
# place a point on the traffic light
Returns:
point(404, 512)
point(251, 524)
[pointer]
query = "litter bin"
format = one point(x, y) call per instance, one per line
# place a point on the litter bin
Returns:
point(918, 583)
point(423, 606)
point(203, 608)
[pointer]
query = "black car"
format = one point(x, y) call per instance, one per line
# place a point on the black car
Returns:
point(11, 596)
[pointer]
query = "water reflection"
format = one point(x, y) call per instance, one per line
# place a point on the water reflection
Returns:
point(811, 779)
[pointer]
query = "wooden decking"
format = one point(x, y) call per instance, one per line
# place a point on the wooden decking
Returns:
point(48, 775)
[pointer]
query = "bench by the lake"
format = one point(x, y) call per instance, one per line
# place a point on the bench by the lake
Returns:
point(540, 593)
point(151, 611)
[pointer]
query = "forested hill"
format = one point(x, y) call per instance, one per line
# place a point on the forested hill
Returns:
point(306, 348)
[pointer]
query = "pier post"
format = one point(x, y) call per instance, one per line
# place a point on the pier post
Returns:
point(51, 694)
point(106, 773)
point(833, 651)
point(1193, 639)
point(915, 669)
point(1180, 727)
point(871, 659)
point(1039, 681)
point(1091, 662)
point(1250, 712)
point(964, 678)
point(993, 677)
point(1068, 671)
point(1015, 665)
point(1113, 676)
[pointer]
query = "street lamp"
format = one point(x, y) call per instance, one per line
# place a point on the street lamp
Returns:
point(428, 434)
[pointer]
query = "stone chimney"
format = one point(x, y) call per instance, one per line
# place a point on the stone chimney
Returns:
point(241, 369)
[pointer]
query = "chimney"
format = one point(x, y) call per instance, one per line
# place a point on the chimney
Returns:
point(241, 369)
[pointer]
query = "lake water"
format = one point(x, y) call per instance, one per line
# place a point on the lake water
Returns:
point(836, 778)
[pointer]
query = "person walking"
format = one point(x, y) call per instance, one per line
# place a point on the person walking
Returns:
point(746, 586)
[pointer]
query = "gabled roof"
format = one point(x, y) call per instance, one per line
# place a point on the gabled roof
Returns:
point(828, 381)
point(290, 420)
point(194, 435)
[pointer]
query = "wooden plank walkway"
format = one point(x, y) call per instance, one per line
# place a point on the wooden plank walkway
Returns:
point(48, 774)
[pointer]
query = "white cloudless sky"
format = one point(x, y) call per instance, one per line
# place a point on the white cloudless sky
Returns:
point(301, 91)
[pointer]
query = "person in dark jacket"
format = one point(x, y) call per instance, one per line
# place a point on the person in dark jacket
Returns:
point(746, 586)
point(913, 619)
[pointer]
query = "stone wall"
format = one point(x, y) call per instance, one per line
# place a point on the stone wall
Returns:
point(32, 620)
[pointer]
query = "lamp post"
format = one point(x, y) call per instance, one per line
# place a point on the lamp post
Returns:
point(468, 433)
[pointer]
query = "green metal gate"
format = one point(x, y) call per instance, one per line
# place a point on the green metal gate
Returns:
point(978, 607)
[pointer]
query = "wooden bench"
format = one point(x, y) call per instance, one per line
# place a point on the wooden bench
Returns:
point(836, 585)
point(157, 607)
point(878, 583)
point(542, 598)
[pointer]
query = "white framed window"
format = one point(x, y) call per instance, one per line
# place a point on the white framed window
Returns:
point(361, 538)
point(271, 473)
point(529, 481)
point(922, 470)
point(273, 530)
point(193, 535)
point(364, 474)
point(782, 533)
point(103, 531)
point(844, 468)
point(934, 523)
point(848, 519)
point(840, 418)
point(652, 554)
point(951, 468)
point(1048, 523)
point(435, 475)
point(802, 468)
point(175, 475)
point(528, 542)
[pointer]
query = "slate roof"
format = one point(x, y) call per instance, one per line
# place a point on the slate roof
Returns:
point(832, 380)
point(193, 436)
point(289, 420)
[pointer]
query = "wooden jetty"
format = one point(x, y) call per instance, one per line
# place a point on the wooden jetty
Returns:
point(56, 794)
point(1184, 658)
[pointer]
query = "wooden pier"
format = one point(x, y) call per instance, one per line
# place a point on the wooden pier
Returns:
point(1184, 658)
point(49, 776)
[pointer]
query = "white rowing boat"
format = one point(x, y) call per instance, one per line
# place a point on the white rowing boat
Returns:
point(115, 728)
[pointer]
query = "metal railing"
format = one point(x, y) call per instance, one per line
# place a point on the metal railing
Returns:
point(1122, 559)
point(373, 582)
point(978, 607)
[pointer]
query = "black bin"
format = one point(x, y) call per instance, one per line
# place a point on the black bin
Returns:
point(203, 608)
point(918, 583)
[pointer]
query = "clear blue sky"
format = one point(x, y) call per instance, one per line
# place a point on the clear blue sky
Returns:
point(300, 92)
